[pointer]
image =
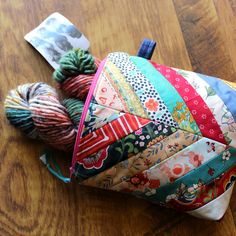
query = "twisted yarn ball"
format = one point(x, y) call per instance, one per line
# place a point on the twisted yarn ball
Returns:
point(36, 110)
point(77, 87)
point(76, 72)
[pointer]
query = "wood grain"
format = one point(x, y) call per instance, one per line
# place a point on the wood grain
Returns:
point(191, 34)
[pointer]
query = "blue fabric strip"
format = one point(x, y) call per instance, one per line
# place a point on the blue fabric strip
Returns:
point(146, 49)
point(227, 94)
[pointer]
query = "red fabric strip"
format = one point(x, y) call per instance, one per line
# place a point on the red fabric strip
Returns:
point(109, 133)
point(198, 108)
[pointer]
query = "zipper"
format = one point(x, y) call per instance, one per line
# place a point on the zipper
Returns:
point(83, 116)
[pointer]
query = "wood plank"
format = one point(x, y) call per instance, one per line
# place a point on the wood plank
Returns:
point(208, 47)
point(227, 26)
point(226, 12)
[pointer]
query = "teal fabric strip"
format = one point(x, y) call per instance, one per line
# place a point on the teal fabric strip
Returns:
point(203, 174)
point(168, 93)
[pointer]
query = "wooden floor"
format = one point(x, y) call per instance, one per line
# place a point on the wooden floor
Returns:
point(197, 35)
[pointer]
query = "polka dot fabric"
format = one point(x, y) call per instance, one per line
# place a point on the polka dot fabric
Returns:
point(198, 108)
point(153, 104)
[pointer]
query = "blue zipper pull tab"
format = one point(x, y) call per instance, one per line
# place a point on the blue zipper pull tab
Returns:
point(146, 49)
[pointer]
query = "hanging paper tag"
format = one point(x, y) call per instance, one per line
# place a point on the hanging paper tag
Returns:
point(55, 36)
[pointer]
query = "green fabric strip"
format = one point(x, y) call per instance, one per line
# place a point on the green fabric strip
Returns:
point(169, 95)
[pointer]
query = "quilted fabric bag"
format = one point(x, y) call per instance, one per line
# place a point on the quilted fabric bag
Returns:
point(159, 133)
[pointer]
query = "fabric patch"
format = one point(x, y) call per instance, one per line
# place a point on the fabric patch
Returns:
point(153, 154)
point(124, 90)
point(220, 111)
point(108, 134)
point(173, 168)
point(122, 149)
point(97, 116)
point(197, 195)
point(227, 94)
point(204, 174)
point(168, 94)
point(147, 94)
point(199, 109)
point(106, 95)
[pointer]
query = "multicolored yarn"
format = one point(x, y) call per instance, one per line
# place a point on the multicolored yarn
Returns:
point(71, 85)
point(74, 108)
point(36, 110)
point(77, 68)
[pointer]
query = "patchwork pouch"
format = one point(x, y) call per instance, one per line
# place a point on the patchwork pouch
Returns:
point(160, 133)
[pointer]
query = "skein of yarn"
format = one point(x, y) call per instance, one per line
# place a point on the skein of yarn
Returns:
point(76, 72)
point(36, 110)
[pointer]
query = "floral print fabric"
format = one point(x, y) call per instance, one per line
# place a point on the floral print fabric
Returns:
point(197, 195)
point(169, 95)
point(122, 149)
point(176, 166)
point(204, 174)
point(220, 111)
point(144, 160)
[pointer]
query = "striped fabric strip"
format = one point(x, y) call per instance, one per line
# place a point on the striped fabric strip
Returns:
point(98, 116)
point(203, 174)
point(169, 95)
point(114, 92)
point(125, 90)
point(197, 106)
point(109, 133)
point(227, 94)
point(222, 115)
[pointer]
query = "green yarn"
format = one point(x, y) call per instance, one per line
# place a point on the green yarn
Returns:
point(22, 119)
point(73, 63)
point(74, 108)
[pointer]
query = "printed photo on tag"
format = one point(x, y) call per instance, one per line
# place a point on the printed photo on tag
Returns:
point(55, 36)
